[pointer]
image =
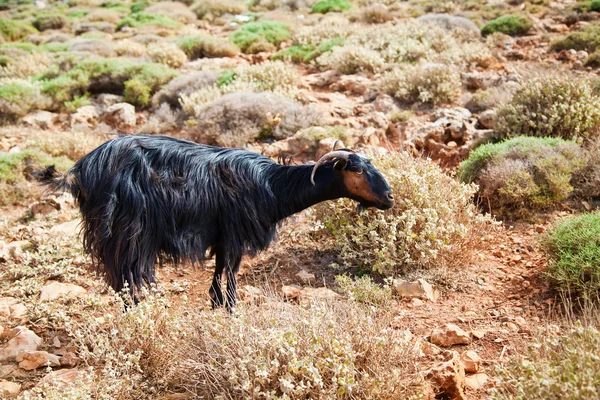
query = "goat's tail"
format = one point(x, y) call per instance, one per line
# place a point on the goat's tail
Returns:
point(55, 181)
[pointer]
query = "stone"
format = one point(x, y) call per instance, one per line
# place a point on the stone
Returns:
point(24, 340)
point(17, 311)
point(8, 388)
point(477, 334)
point(429, 349)
point(420, 289)
point(121, 116)
point(323, 294)
point(471, 361)
point(70, 228)
point(5, 307)
point(449, 335)
point(251, 294)
point(7, 370)
point(290, 292)
point(448, 378)
point(62, 377)
point(54, 290)
point(42, 208)
point(40, 119)
point(306, 277)
point(69, 360)
point(14, 250)
point(486, 119)
point(385, 103)
point(477, 381)
point(107, 99)
point(86, 116)
point(450, 22)
point(31, 360)
point(355, 84)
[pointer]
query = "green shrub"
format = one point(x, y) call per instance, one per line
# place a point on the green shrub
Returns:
point(587, 38)
point(77, 14)
point(200, 46)
point(166, 53)
point(573, 248)
point(593, 60)
point(14, 29)
point(136, 20)
point(260, 36)
point(211, 9)
point(49, 21)
point(19, 96)
point(364, 290)
point(508, 24)
point(139, 5)
point(426, 82)
point(326, 6)
point(524, 174)
point(557, 366)
point(432, 224)
point(306, 52)
point(558, 106)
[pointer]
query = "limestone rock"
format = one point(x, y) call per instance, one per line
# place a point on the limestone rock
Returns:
point(7, 370)
point(31, 360)
point(385, 103)
point(62, 377)
point(420, 289)
point(355, 84)
point(450, 22)
point(471, 361)
point(54, 290)
point(8, 388)
point(24, 340)
point(14, 250)
point(486, 119)
point(291, 292)
point(449, 335)
point(69, 360)
point(251, 294)
point(448, 378)
point(306, 276)
point(86, 116)
point(121, 116)
point(40, 119)
point(477, 381)
point(309, 294)
point(70, 228)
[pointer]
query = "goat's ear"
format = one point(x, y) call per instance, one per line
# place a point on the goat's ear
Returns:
point(340, 164)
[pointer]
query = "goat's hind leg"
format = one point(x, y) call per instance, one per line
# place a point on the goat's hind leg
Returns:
point(216, 295)
point(232, 269)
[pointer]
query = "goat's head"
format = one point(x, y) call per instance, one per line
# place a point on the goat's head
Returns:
point(358, 178)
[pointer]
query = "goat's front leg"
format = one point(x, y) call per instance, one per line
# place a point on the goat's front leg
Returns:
point(216, 295)
point(232, 269)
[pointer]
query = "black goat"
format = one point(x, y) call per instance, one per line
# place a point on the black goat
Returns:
point(149, 198)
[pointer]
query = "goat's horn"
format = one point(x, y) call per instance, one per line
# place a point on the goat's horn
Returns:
point(336, 143)
point(345, 154)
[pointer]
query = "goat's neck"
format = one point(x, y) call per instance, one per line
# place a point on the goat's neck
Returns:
point(294, 191)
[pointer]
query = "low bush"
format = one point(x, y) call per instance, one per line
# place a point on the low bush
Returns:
point(184, 85)
point(509, 24)
point(128, 47)
point(307, 52)
point(587, 38)
point(425, 82)
point(547, 370)
point(12, 29)
point(522, 175)
point(103, 15)
point(19, 96)
point(326, 6)
point(237, 119)
point(49, 21)
point(200, 46)
point(211, 9)
point(166, 53)
point(573, 250)
point(173, 9)
point(26, 66)
point(141, 18)
point(558, 106)
point(433, 224)
point(260, 36)
point(364, 290)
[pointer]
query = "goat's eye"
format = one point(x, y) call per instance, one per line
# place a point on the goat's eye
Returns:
point(360, 171)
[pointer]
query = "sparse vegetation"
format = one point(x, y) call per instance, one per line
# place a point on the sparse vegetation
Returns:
point(326, 6)
point(141, 18)
point(509, 24)
point(211, 9)
point(200, 46)
point(14, 29)
point(255, 37)
point(587, 38)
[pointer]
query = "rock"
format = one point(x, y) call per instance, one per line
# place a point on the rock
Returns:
point(42, 208)
point(471, 361)
point(290, 292)
point(450, 22)
point(250, 294)
point(419, 288)
point(69, 360)
point(429, 349)
point(31, 360)
point(7, 370)
point(17, 311)
point(449, 335)
point(62, 377)
point(54, 290)
point(40, 119)
point(24, 340)
point(355, 84)
point(97, 26)
point(321, 79)
point(486, 118)
point(14, 250)
point(86, 116)
point(121, 116)
point(70, 228)
point(385, 103)
point(309, 294)
point(521, 321)
point(8, 388)
point(108, 99)
point(512, 327)
point(480, 80)
point(306, 276)
point(477, 381)
point(5, 304)
point(448, 378)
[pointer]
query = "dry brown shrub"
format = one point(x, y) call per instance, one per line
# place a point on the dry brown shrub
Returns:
point(103, 15)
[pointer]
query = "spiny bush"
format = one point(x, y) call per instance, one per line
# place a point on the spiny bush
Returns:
point(364, 290)
point(326, 6)
point(26, 66)
point(13, 29)
point(139, 19)
point(236, 119)
point(200, 46)
point(260, 36)
point(508, 24)
point(103, 15)
point(49, 21)
point(329, 28)
point(166, 53)
point(547, 371)
point(573, 248)
point(561, 106)
point(127, 47)
point(211, 9)
point(587, 38)
point(432, 223)
point(173, 9)
point(524, 174)
point(425, 82)
point(19, 96)
point(184, 85)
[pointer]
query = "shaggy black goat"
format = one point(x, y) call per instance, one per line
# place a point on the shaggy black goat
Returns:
point(147, 198)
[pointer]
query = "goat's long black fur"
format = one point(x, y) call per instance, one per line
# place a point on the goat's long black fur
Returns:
point(149, 198)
